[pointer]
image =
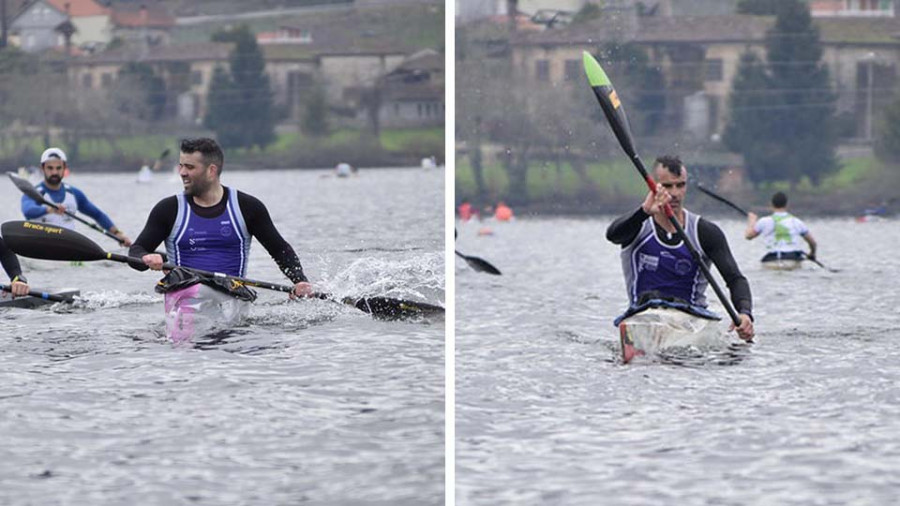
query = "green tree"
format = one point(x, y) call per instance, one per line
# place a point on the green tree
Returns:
point(804, 126)
point(222, 114)
point(782, 118)
point(248, 96)
point(143, 86)
point(758, 7)
point(887, 141)
point(314, 121)
point(751, 108)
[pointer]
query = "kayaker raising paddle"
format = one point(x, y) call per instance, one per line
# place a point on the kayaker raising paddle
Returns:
point(66, 198)
point(654, 259)
point(209, 227)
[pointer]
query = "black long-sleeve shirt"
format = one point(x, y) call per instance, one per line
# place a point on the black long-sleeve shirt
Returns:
point(625, 229)
point(10, 261)
point(256, 216)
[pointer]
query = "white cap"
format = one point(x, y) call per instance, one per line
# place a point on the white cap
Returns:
point(52, 151)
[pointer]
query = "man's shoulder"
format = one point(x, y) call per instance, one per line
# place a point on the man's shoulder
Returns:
point(245, 199)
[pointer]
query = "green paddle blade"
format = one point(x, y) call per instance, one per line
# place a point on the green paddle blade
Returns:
point(47, 242)
point(595, 73)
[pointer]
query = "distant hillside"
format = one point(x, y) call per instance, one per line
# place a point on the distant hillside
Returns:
point(417, 24)
point(218, 7)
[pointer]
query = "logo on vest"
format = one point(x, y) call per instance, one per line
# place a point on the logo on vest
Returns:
point(226, 231)
point(647, 262)
point(682, 267)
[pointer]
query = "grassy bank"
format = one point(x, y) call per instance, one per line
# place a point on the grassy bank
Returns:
point(290, 150)
point(611, 187)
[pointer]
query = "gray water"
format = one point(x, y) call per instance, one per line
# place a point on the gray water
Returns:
point(308, 401)
point(547, 413)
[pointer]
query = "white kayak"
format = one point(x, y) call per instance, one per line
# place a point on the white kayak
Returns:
point(782, 261)
point(656, 328)
point(198, 311)
point(782, 264)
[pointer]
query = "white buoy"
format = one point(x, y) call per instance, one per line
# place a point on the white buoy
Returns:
point(343, 170)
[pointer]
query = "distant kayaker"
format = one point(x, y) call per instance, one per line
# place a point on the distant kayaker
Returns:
point(503, 212)
point(782, 232)
point(67, 198)
point(18, 284)
point(654, 259)
point(464, 210)
point(210, 226)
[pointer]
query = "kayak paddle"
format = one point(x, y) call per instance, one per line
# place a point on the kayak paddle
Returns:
point(479, 264)
point(69, 297)
point(28, 189)
point(38, 240)
point(159, 161)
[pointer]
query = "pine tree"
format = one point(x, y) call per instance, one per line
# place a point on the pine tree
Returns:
point(749, 129)
point(805, 123)
point(222, 114)
point(782, 117)
point(246, 94)
point(887, 142)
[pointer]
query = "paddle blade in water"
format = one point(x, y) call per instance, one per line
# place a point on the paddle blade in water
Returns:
point(482, 265)
point(385, 308)
point(47, 242)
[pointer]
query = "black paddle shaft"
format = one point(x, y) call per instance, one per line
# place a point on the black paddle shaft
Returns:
point(48, 242)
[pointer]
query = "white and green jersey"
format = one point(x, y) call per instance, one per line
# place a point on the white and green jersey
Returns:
point(782, 231)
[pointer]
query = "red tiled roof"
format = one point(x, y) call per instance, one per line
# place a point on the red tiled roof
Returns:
point(79, 8)
point(134, 16)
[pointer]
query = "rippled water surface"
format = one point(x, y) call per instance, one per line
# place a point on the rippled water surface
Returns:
point(309, 401)
point(547, 414)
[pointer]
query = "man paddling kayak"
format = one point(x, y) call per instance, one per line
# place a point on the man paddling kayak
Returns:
point(654, 259)
point(18, 284)
point(66, 198)
point(782, 232)
point(209, 227)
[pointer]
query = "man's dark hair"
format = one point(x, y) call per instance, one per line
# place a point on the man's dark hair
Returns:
point(671, 162)
point(212, 153)
point(779, 200)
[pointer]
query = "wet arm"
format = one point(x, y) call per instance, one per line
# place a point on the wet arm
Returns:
point(10, 261)
point(626, 228)
point(155, 231)
point(88, 208)
point(812, 244)
point(714, 244)
point(32, 209)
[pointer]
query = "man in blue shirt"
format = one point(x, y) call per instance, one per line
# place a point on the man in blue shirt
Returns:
point(66, 197)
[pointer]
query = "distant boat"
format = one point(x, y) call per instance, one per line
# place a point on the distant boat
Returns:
point(343, 170)
point(429, 163)
point(145, 175)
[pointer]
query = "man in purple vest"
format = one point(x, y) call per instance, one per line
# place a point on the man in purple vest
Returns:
point(209, 227)
point(656, 261)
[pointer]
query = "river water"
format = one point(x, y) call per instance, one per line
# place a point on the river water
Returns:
point(548, 414)
point(309, 401)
